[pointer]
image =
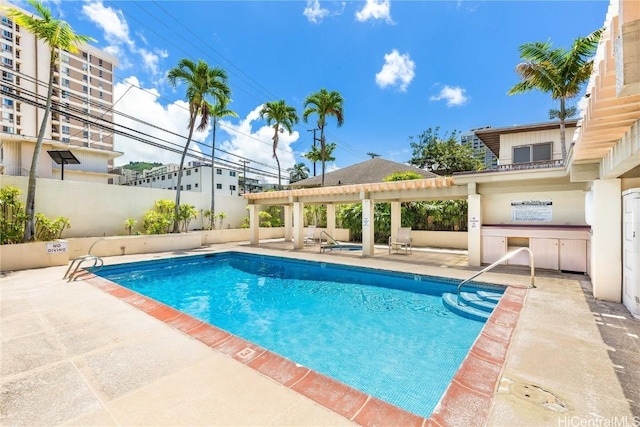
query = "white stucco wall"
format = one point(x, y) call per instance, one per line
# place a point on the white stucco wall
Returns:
point(101, 209)
point(567, 207)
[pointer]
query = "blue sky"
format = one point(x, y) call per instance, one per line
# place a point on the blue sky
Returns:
point(401, 66)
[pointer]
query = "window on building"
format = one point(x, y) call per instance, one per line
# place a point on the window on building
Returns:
point(219, 186)
point(85, 134)
point(196, 185)
point(84, 55)
point(65, 139)
point(66, 82)
point(7, 116)
point(7, 34)
point(66, 71)
point(7, 129)
point(85, 89)
point(7, 62)
point(7, 47)
point(196, 170)
point(65, 130)
point(100, 62)
point(533, 153)
point(6, 102)
point(232, 187)
point(188, 186)
point(148, 180)
point(163, 177)
point(7, 76)
point(218, 171)
point(64, 58)
point(181, 187)
point(188, 173)
point(175, 174)
point(232, 173)
point(6, 21)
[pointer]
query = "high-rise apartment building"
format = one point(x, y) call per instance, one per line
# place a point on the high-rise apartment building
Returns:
point(81, 119)
point(480, 150)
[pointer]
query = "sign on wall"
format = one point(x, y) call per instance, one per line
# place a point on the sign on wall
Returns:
point(531, 210)
point(56, 247)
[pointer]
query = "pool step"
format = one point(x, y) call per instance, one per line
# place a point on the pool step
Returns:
point(473, 305)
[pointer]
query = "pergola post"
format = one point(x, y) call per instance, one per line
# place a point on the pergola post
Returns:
point(254, 221)
point(368, 227)
point(474, 227)
point(298, 225)
point(331, 220)
point(288, 223)
point(396, 219)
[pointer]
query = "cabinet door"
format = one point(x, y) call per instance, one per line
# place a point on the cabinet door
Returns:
point(573, 255)
point(493, 248)
point(545, 252)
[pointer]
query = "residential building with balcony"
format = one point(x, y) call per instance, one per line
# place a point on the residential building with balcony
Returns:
point(81, 118)
point(531, 146)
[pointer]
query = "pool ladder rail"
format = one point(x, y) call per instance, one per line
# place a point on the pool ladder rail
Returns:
point(330, 239)
point(500, 261)
point(73, 272)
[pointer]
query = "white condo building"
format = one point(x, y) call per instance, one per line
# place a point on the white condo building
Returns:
point(81, 119)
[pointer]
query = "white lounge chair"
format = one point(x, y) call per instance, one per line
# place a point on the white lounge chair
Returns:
point(402, 240)
point(310, 235)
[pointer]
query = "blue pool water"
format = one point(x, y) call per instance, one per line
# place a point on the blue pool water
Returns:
point(386, 334)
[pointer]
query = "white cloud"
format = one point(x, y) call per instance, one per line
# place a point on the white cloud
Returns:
point(116, 33)
point(314, 12)
point(257, 144)
point(454, 96)
point(144, 105)
point(397, 70)
point(375, 9)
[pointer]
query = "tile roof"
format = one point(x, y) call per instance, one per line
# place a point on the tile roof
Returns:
point(373, 170)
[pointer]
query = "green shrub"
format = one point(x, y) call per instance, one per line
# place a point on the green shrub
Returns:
point(50, 229)
point(159, 220)
point(14, 216)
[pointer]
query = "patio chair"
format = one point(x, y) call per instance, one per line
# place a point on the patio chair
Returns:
point(402, 240)
point(310, 235)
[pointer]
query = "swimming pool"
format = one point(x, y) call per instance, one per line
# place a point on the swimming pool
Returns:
point(384, 333)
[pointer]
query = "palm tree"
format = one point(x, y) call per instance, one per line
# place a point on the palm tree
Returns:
point(57, 35)
point(298, 172)
point(219, 110)
point(202, 81)
point(283, 117)
point(315, 155)
point(324, 104)
point(559, 71)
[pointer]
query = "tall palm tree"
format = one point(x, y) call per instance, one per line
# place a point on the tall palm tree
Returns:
point(298, 172)
point(202, 82)
point(560, 72)
point(57, 35)
point(219, 110)
point(283, 117)
point(324, 104)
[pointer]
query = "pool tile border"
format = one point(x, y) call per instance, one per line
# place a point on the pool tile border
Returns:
point(466, 401)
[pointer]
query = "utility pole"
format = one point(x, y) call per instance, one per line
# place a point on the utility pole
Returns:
point(314, 147)
point(244, 177)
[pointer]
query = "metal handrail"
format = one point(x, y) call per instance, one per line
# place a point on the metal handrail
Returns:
point(500, 261)
point(78, 261)
point(329, 238)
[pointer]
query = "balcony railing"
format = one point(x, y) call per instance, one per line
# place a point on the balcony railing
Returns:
point(545, 164)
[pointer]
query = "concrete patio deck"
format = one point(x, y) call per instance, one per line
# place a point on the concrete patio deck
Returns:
point(72, 354)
